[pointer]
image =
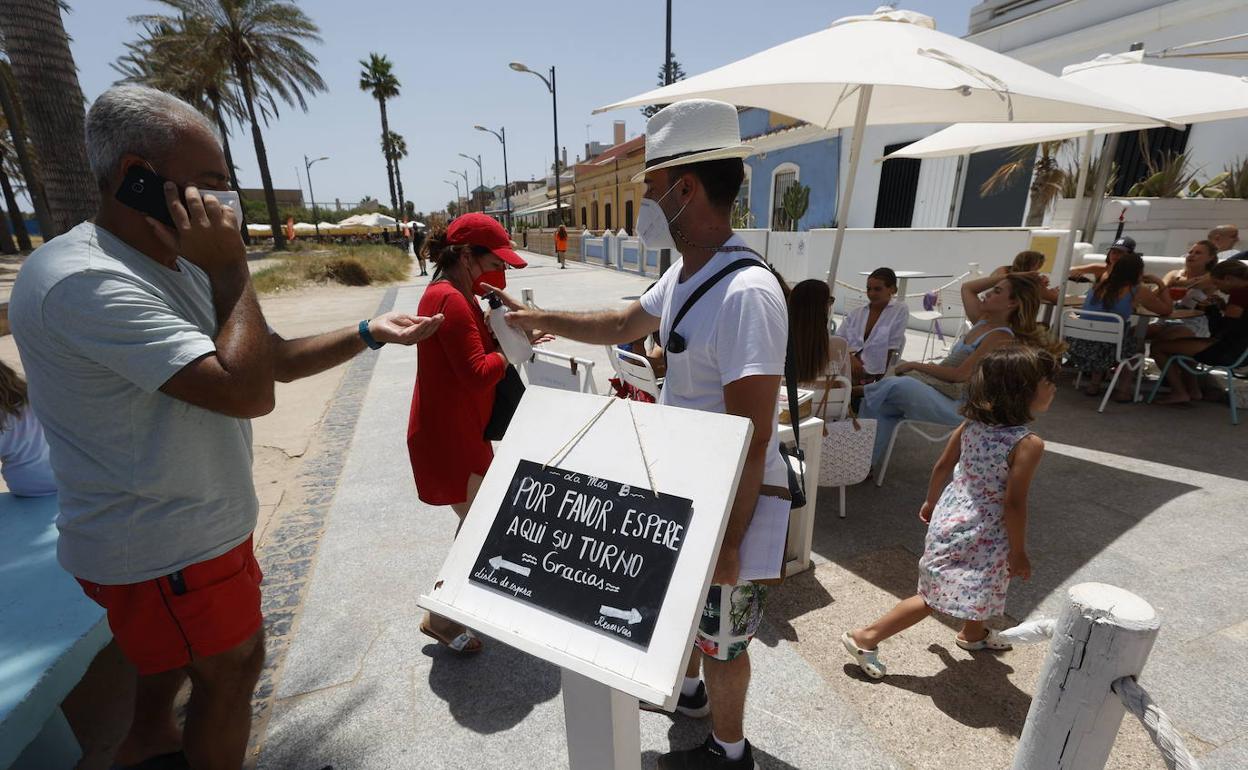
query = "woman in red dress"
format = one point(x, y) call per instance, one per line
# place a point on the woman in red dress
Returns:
point(457, 371)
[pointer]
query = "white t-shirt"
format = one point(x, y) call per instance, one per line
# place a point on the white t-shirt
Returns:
point(24, 455)
point(739, 328)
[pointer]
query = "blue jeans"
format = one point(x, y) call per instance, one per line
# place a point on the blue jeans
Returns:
point(894, 399)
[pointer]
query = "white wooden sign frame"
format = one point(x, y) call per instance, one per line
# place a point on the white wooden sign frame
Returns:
point(692, 454)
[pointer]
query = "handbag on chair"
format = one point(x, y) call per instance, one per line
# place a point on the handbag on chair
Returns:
point(847, 446)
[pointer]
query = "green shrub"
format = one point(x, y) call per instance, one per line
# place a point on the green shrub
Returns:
point(348, 265)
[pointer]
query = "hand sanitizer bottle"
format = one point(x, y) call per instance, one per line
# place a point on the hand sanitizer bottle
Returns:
point(514, 343)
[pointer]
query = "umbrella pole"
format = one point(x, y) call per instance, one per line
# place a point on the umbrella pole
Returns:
point(842, 205)
point(1085, 157)
point(1108, 151)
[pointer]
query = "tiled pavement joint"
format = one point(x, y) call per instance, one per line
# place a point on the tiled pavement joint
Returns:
point(288, 554)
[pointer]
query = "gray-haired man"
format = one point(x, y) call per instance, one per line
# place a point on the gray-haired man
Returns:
point(147, 354)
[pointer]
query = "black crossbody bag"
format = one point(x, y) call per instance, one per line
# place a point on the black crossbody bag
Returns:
point(676, 344)
point(507, 395)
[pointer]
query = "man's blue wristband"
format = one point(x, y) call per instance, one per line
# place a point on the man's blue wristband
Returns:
point(367, 336)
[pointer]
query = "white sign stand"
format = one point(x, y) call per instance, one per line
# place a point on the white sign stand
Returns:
point(691, 454)
point(602, 725)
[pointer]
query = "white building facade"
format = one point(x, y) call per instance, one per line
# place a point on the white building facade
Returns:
point(1051, 34)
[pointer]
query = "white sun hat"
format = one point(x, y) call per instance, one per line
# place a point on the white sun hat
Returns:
point(692, 131)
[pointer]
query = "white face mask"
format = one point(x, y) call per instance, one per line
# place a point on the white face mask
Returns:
point(653, 226)
point(228, 198)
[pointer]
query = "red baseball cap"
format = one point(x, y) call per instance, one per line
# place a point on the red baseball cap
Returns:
point(477, 229)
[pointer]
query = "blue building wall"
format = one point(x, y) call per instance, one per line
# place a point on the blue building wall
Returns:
point(818, 165)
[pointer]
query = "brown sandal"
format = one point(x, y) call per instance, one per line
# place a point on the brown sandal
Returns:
point(465, 643)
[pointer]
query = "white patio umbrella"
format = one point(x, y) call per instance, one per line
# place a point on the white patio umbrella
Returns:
point(376, 220)
point(1172, 94)
point(890, 67)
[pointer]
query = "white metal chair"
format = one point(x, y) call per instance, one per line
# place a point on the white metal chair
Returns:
point(636, 371)
point(848, 299)
point(943, 435)
point(948, 307)
point(1108, 328)
point(838, 357)
point(559, 370)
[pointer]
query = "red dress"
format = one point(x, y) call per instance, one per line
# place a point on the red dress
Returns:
point(455, 378)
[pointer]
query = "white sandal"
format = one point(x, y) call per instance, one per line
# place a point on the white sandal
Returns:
point(867, 660)
point(992, 641)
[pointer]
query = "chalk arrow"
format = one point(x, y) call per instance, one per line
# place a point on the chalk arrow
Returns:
point(632, 616)
point(499, 562)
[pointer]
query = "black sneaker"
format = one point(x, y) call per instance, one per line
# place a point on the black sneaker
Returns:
point(708, 756)
point(696, 706)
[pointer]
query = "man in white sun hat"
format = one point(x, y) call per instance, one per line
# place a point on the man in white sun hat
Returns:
point(725, 355)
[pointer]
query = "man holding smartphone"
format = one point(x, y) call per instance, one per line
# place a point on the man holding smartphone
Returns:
point(147, 355)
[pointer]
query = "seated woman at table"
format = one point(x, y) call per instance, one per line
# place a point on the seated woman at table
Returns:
point(1120, 292)
point(1189, 287)
point(1094, 272)
point(1030, 262)
point(877, 330)
point(1226, 345)
point(1006, 313)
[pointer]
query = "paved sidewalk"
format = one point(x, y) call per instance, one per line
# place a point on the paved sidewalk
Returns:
point(1139, 497)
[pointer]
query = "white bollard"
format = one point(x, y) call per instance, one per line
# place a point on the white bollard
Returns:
point(1103, 634)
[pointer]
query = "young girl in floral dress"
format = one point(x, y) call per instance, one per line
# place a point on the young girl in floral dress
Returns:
point(976, 538)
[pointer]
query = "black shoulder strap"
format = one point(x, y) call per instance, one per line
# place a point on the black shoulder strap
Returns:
point(790, 374)
point(706, 286)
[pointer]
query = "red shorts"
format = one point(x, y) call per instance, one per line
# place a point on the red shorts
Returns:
point(202, 610)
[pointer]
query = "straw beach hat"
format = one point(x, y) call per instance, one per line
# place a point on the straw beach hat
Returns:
point(692, 131)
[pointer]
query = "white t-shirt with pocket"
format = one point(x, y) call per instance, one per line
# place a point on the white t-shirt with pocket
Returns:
point(739, 328)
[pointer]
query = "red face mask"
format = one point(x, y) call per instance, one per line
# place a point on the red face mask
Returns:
point(495, 278)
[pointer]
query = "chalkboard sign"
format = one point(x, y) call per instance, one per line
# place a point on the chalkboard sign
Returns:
point(595, 551)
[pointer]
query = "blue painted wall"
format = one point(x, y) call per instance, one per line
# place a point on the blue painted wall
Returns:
point(819, 168)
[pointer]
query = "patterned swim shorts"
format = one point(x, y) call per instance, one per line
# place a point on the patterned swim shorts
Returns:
point(730, 618)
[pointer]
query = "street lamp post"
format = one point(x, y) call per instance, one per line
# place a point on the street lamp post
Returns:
point(456, 184)
point(467, 187)
point(480, 176)
point(554, 107)
point(502, 137)
point(307, 170)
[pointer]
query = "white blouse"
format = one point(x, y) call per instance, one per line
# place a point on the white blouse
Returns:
point(889, 333)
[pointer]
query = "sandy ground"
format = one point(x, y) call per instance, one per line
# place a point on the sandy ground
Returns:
point(283, 437)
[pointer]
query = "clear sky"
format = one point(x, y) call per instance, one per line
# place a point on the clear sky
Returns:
point(451, 58)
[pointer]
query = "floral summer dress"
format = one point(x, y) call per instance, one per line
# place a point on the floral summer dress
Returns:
point(964, 571)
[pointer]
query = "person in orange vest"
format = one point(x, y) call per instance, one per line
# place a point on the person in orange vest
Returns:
point(561, 244)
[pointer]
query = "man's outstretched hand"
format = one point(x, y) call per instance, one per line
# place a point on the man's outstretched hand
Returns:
point(403, 328)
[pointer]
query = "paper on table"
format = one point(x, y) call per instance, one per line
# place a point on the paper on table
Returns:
point(762, 548)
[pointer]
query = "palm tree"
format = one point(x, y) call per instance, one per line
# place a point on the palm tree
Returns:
point(1048, 178)
point(378, 78)
point(52, 104)
point(395, 149)
point(16, 226)
point(12, 115)
point(166, 58)
point(263, 43)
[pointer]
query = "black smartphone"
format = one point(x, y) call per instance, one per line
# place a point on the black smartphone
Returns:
point(144, 190)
